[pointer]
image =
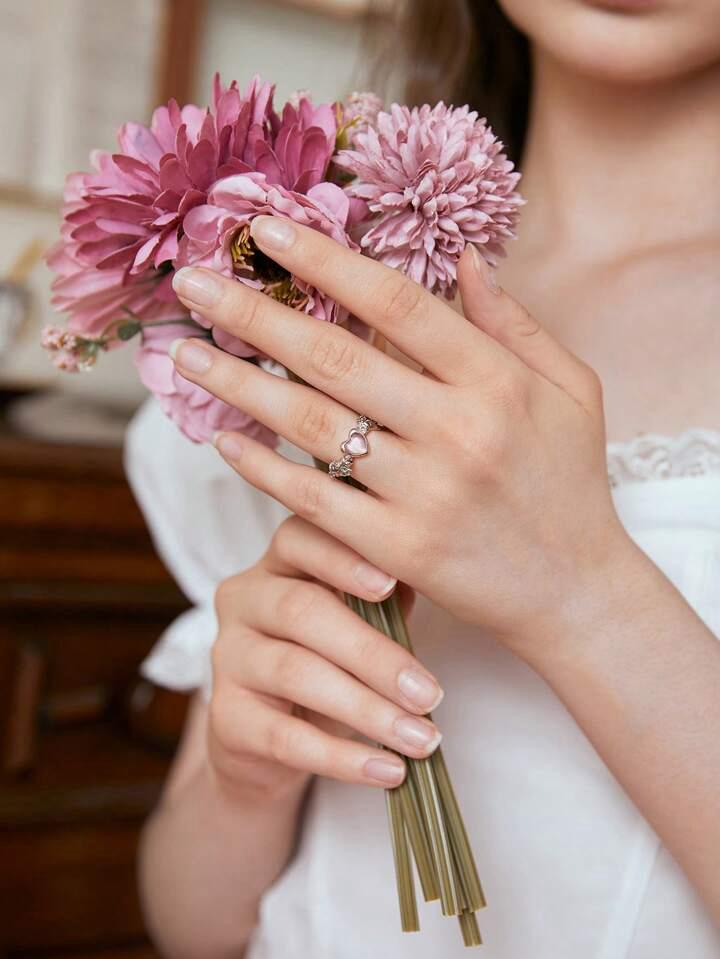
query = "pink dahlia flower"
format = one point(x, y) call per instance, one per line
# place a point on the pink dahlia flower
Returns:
point(91, 283)
point(302, 142)
point(123, 221)
point(217, 236)
point(436, 179)
point(198, 413)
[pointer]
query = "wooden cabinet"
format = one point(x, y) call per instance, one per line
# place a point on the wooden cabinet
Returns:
point(84, 742)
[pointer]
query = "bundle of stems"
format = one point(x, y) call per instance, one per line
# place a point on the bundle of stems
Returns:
point(423, 810)
point(425, 817)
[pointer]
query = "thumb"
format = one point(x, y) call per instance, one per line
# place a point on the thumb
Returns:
point(496, 313)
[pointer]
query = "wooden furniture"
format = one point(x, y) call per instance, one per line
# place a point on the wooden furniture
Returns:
point(84, 742)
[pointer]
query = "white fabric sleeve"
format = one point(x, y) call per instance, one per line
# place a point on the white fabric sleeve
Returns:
point(207, 523)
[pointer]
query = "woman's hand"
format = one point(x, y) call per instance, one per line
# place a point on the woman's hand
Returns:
point(489, 485)
point(294, 667)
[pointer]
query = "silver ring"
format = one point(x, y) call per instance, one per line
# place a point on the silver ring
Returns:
point(353, 447)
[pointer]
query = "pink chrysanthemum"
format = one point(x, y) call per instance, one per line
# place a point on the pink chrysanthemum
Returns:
point(217, 236)
point(196, 412)
point(359, 111)
point(437, 179)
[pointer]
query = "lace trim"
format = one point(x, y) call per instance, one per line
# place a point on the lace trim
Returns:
point(653, 456)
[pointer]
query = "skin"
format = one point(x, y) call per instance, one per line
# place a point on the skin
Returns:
point(481, 455)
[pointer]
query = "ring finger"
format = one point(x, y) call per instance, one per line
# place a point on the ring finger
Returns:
point(300, 675)
point(301, 414)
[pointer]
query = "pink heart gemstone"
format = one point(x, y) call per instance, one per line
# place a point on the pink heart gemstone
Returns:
point(356, 444)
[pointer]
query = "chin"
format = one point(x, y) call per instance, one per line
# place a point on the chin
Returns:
point(626, 42)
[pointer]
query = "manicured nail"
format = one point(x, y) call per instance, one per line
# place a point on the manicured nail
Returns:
point(272, 232)
point(420, 689)
point(200, 287)
point(229, 445)
point(417, 733)
point(484, 268)
point(374, 580)
point(189, 355)
point(389, 772)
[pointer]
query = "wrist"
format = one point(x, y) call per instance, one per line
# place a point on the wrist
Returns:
point(279, 795)
point(601, 597)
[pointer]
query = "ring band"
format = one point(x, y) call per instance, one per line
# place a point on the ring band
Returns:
point(354, 446)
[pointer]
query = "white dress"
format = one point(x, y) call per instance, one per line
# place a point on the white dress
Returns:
point(570, 868)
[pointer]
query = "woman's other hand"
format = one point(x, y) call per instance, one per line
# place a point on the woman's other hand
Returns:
point(296, 674)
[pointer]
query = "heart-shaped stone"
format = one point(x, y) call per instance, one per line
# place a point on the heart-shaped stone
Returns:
point(356, 444)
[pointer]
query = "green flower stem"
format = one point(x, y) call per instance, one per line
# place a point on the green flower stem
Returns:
point(403, 867)
point(469, 928)
point(461, 845)
point(423, 811)
point(181, 321)
point(419, 840)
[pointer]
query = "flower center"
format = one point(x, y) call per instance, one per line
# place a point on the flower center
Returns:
point(251, 262)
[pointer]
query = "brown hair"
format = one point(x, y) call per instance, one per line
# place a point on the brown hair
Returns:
point(461, 51)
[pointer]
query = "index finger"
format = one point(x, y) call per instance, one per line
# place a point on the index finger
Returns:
point(416, 322)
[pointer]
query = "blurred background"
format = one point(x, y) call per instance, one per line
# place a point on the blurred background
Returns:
point(84, 741)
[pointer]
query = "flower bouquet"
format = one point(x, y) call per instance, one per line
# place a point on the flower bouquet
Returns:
point(408, 187)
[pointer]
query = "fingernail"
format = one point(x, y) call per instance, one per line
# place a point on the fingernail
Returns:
point(417, 733)
point(390, 772)
point(229, 445)
point(420, 689)
point(272, 232)
point(374, 580)
point(483, 267)
point(190, 355)
point(201, 287)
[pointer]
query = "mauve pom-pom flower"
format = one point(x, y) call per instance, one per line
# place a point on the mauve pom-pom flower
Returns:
point(196, 412)
point(437, 179)
point(217, 236)
point(359, 111)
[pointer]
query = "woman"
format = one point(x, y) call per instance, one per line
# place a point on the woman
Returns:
point(572, 620)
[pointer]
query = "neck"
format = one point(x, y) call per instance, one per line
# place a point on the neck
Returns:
point(611, 170)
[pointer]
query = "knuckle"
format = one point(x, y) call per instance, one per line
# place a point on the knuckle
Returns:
point(507, 390)
point(401, 299)
point(480, 443)
point(226, 596)
point(309, 494)
point(284, 741)
point(324, 257)
point(285, 536)
point(524, 323)
point(250, 314)
point(290, 668)
point(221, 723)
point(334, 357)
point(313, 423)
point(298, 603)
point(231, 653)
point(492, 443)
point(421, 551)
point(370, 651)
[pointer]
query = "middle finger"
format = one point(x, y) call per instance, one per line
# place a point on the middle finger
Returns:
point(329, 357)
point(304, 416)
